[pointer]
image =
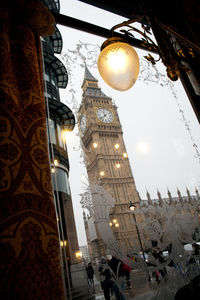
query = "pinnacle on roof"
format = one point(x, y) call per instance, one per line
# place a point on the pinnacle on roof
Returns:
point(178, 192)
point(88, 75)
point(169, 193)
point(92, 88)
point(149, 197)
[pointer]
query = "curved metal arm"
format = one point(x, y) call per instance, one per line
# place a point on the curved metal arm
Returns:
point(126, 23)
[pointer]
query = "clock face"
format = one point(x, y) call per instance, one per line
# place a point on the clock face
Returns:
point(83, 124)
point(105, 115)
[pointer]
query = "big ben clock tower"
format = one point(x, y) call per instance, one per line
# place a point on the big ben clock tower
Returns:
point(107, 161)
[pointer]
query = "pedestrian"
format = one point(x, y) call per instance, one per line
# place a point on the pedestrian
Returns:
point(90, 275)
point(105, 278)
point(127, 272)
point(116, 266)
point(157, 254)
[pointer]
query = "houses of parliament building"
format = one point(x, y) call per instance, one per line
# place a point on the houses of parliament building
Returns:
point(107, 161)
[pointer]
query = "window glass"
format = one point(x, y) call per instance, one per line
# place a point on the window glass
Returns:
point(62, 184)
point(61, 137)
point(47, 95)
point(53, 79)
point(46, 77)
point(52, 131)
point(59, 132)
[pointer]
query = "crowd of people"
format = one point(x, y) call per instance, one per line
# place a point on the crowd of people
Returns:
point(114, 274)
point(114, 277)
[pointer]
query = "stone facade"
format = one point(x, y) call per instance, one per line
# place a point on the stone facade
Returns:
point(107, 162)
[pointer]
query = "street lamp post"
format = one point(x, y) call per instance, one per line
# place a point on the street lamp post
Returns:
point(132, 208)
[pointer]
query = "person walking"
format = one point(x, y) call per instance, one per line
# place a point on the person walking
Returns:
point(127, 272)
point(118, 287)
point(157, 254)
point(90, 276)
point(105, 278)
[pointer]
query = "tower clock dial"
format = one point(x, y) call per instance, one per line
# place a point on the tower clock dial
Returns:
point(105, 115)
point(83, 124)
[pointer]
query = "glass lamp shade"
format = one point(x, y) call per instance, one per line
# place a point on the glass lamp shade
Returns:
point(118, 64)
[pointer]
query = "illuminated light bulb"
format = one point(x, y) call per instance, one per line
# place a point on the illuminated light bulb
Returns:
point(102, 173)
point(125, 155)
point(78, 254)
point(62, 244)
point(52, 170)
point(117, 165)
point(114, 221)
point(95, 145)
point(118, 64)
point(110, 224)
point(55, 162)
point(117, 146)
point(66, 136)
point(117, 225)
point(132, 207)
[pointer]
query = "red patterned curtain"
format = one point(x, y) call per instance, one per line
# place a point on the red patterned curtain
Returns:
point(29, 246)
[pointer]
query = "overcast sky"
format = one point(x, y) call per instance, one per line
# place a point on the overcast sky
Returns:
point(159, 146)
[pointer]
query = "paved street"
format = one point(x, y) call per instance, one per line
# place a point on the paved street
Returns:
point(144, 296)
point(141, 289)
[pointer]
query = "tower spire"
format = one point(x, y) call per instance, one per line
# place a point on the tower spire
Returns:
point(171, 201)
point(197, 193)
point(88, 75)
point(159, 197)
point(90, 85)
point(149, 197)
point(179, 195)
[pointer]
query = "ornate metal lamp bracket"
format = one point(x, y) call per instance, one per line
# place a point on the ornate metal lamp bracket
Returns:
point(169, 53)
point(146, 41)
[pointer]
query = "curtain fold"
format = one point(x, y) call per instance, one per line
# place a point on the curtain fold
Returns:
point(29, 245)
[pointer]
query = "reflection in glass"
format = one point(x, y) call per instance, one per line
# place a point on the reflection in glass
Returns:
point(62, 181)
point(52, 132)
point(60, 139)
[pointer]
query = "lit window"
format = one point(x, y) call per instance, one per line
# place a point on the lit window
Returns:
point(63, 243)
point(55, 162)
